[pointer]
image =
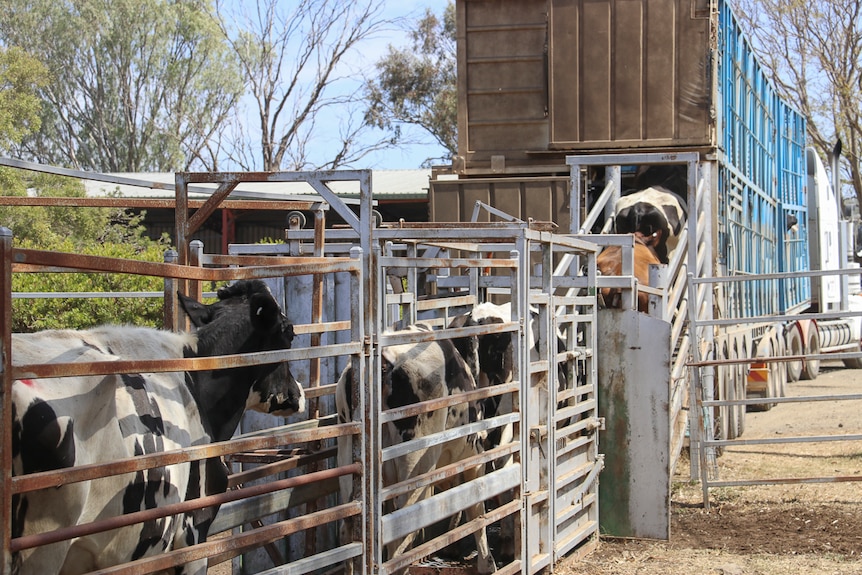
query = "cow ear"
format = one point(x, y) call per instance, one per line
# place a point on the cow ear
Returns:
point(387, 362)
point(264, 312)
point(198, 313)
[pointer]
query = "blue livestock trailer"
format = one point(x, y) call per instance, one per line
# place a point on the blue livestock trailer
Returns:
point(566, 106)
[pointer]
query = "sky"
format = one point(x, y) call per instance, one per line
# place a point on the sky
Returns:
point(406, 157)
point(358, 63)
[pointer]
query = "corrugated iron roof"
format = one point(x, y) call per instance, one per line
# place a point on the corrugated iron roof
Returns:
point(385, 185)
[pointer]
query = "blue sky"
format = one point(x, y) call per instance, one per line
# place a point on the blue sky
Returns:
point(409, 156)
point(406, 157)
point(326, 134)
point(325, 137)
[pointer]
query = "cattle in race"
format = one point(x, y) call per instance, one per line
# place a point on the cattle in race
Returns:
point(73, 421)
point(491, 357)
point(412, 373)
point(657, 214)
point(609, 263)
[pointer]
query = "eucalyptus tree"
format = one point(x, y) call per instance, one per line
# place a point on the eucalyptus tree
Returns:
point(814, 51)
point(21, 76)
point(301, 61)
point(135, 85)
point(417, 84)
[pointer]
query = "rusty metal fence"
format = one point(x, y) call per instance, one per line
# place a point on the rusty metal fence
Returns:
point(345, 288)
point(279, 437)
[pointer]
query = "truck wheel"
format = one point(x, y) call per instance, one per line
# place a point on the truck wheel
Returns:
point(793, 346)
point(811, 367)
point(854, 362)
point(777, 370)
point(736, 390)
point(773, 371)
point(721, 387)
point(741, 393)
point(731, 411)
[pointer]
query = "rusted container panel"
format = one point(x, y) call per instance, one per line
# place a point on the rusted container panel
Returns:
point(540, 78)
point(629, 73)
point(502, 79)
point(543, 199)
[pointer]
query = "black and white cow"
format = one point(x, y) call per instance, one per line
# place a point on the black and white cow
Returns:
point(657, 214)
point(412, 373)
point(491, 357)
point(65, 422)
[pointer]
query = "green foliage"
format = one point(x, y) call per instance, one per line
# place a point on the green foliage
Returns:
point(418, 85)
point(137, 85)
point(77, 313)
point(21, 76)
point(45, 226)
point(93, 231)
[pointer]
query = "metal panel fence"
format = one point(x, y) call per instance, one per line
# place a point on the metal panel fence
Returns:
point(286, 477)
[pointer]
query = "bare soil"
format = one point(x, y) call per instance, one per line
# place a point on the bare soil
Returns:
point(796, 528)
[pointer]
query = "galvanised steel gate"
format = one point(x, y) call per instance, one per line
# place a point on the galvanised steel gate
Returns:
point(547, 490)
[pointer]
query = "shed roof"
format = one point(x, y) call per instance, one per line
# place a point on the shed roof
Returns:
point(385, 185)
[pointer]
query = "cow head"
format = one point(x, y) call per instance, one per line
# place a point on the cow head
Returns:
point(489, 356)
point(655, 213)
point(246, 318)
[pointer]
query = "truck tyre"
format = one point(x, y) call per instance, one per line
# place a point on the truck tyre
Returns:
point(721, 386)
point(736, 390)
point(773, 370)
point(811, 367)
point(777, 370)
point(741, 393)
point(793, 346)
point(854, 362)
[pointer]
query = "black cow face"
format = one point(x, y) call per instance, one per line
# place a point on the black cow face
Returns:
point(245, 319)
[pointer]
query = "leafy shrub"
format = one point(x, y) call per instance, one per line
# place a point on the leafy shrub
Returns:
point(77, 313)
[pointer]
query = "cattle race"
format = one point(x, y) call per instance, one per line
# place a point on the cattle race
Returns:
point(412, 431)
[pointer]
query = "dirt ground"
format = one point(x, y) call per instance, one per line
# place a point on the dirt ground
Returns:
point(763, 530)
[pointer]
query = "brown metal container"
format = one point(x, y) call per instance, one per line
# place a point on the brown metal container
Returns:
point(541, 78)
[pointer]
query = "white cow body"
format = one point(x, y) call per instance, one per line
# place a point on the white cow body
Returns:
point(74, 421)
point(413, 373)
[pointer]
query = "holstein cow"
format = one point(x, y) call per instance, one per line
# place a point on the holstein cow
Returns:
point(656, 213)
point(72, 421)
point(412, 373)
point(609, 263)
point(491, 358)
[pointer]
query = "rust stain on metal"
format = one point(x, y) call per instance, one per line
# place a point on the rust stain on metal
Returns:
point(44, 479)
point(29, 541)
point(154, 203)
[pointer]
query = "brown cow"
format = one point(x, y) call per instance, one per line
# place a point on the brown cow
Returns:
point(609, 263)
